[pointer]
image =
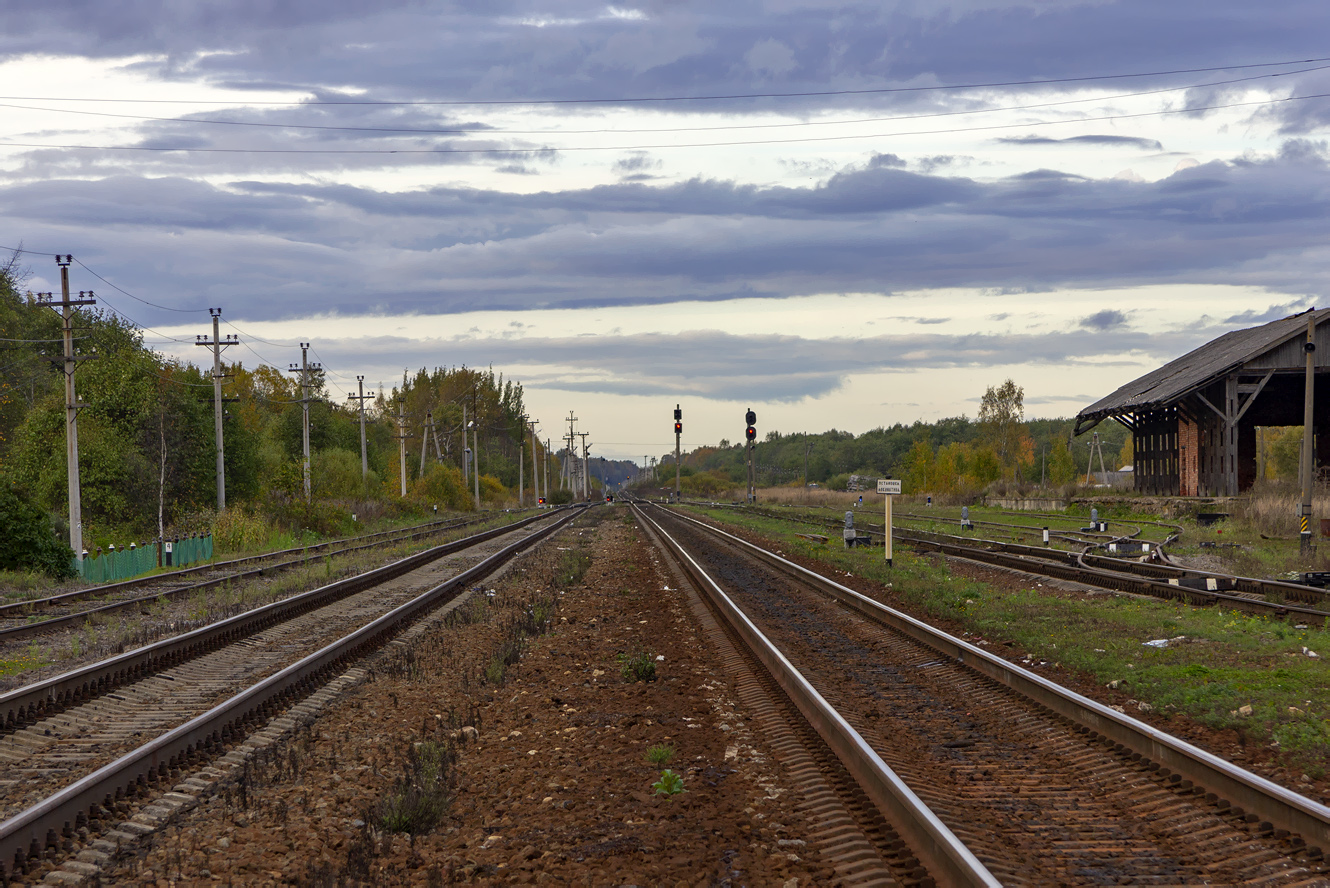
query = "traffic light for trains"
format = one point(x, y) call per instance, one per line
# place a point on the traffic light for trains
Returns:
point(678, 414)
point(751, 418)
point(678, 428)
point(750, 433)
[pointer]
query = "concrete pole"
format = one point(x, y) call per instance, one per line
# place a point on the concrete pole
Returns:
point(1308, 427)
point(71, 406)
point(401, 441)
point(424, 440)
point(364, 451)
point(217, 405)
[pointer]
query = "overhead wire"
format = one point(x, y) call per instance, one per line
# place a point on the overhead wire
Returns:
point(160, 149)
point(485, 130)
point(1048, 81)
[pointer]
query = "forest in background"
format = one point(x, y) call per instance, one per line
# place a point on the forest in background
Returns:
point(147, 456)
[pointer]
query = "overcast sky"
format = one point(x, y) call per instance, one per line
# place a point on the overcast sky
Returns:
point(840, 214)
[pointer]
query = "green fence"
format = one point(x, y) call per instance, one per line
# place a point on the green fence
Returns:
point(122, 564)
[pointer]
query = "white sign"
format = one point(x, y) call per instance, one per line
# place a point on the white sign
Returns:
point(888, 486)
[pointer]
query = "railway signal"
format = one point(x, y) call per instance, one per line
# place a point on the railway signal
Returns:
point(678, 432)
point(751, 434)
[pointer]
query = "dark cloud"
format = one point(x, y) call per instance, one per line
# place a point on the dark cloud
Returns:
point(1117, 141)
point(1106, 319)
point(337, 247)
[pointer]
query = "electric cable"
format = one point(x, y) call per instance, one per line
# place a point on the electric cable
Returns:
point(162, 149)
point(480, 130)
point(1050, 81)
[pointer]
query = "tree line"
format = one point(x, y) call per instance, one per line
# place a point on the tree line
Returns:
point(955, 455)
point(147, 452)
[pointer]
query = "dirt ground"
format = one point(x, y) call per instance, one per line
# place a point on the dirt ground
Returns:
point(535, 767)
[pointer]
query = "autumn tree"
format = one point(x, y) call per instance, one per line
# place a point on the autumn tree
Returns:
point(1001, 419)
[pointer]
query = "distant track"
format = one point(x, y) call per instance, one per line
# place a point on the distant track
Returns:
point(24, 619)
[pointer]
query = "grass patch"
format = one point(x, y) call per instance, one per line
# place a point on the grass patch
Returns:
point(661, 754)
point(572, 567)
point(638, 666)
point(421, 795)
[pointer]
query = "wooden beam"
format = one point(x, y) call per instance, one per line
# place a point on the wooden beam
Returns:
point(1206, 402)
point(1251, 397)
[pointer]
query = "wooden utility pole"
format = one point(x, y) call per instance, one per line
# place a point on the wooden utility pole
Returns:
point(424, 439)
point(364, 452)
point(70, 363)
point(303, 370)
point(1308, 438)
point(217, 344)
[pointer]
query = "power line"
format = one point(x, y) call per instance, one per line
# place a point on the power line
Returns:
point(484, 130)
point(1052, 81)
point(105, 281)
point(663, 146)
point(132, 296)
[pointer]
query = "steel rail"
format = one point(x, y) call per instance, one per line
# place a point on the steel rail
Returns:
point(30, 702)
point(46, 824)
point(1032, 562)
point(1175, 759)
point(414, 531)
point(49, 624)
point(945, 856)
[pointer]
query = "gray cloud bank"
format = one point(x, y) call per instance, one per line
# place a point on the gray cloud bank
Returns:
point(267, 250)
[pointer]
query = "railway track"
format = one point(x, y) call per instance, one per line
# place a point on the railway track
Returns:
point(33, 617)
point(1271, 598)
point(78, 748)
point(980, 772)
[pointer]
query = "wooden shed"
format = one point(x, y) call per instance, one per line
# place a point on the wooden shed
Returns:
point(1193, 421)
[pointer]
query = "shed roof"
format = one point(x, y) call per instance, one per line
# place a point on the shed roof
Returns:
point(1197, 368)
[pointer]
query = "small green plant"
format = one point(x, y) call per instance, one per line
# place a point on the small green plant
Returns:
point(639, 666)
point(496, 670)
point(572, 567)
point(423, 793)
point(661, 754)
point(669, 784)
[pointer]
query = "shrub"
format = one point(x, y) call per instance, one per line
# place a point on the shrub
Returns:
point(442, 485)
point(561, 497)
point(238, 530)
point(27, 539)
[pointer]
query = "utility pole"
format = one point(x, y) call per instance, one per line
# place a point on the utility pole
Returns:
point(401, 441)
point(547, 470)
point(70, 363)
point(217, 344)
point(364, 454)
point(521, 462)
point(475, 440)
point(1308, 455)
point(303, 370)
point(424, 439)
point(808, 448)
point(586, 467)
point(535, 465)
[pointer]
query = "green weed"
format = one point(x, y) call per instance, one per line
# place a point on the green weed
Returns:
point(669, 784)
point(660, 755)
point(638, 666)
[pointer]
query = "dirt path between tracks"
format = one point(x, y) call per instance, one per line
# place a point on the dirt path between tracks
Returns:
point(544, 757)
